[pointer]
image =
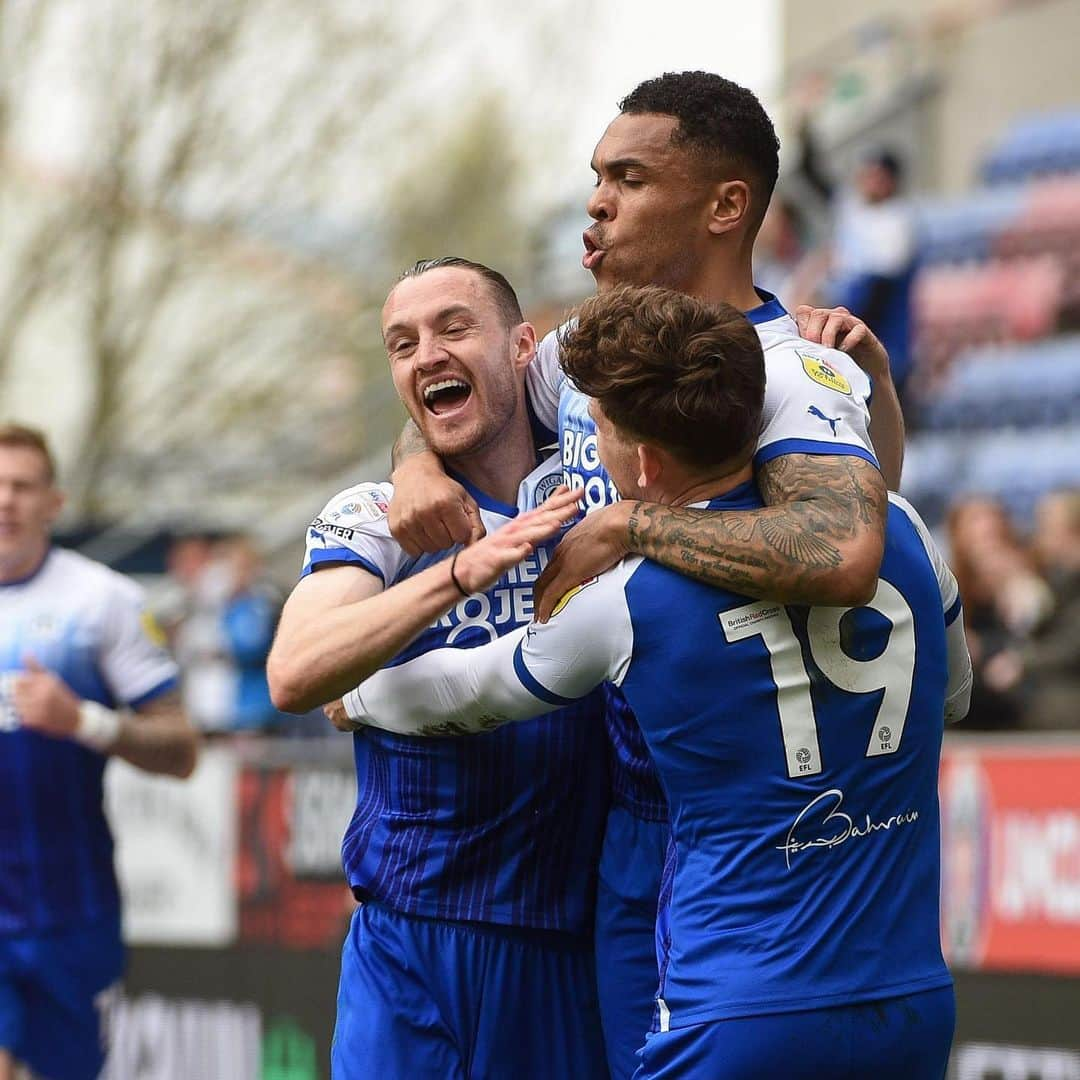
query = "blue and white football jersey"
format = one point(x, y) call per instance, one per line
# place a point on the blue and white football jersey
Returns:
point(87, 625)
point(504, 828)
point(798, 750)
point(816, 402)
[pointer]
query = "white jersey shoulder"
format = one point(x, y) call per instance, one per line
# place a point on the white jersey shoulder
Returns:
point(816, 399)
point(958, 658)
point(353, 527)
point(109, 611)
point(950, 591)
point(544, 379)
point(588, 639)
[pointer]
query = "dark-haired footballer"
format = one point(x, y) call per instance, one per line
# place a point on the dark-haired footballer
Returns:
point(684, 174)
point(797, 746)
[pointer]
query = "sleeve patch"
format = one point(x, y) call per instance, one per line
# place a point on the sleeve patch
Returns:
point(351, 509)
point(152, 629)
point(824, 374)
point(568, 596)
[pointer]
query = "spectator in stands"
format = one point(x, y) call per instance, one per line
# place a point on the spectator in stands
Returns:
point(1003, 598)
point(248, 618)
point(191, 614)
point(874, 255)
point(1045, 665)
point(220, 615)
point(874, 246)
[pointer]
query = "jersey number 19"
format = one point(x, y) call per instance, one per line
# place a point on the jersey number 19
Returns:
point(891, 670)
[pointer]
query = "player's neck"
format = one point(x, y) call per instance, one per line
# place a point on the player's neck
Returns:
point(701, 488)
point(728, 281)
point(498, 468)
point(22, 565)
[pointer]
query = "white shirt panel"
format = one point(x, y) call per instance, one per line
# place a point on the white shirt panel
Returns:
point(816, 399)
point(544, 379)
point(75, 607)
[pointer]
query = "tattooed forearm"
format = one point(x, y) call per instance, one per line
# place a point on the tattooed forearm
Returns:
point(818, 541)
point(476, 726)
point(409, 443)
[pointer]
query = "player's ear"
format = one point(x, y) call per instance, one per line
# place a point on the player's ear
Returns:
point(56, 504)
point(523, 337)
point(650, 465)
point(730, 206)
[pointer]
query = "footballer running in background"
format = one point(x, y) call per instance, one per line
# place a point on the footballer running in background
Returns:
point(798, 746)
point(83, 675)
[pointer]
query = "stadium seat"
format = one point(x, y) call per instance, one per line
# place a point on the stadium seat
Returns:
point(1009, 387)
point(1015, 467)
point(967, 228)
point(956, 308)
point(1035, 146)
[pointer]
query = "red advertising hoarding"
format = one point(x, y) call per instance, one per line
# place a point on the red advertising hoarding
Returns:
point(1010, 834)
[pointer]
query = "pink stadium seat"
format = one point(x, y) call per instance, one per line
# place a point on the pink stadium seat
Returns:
point(958, 307)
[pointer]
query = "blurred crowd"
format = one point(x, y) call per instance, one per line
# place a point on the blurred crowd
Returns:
point(219, 609)
point(1022, 611)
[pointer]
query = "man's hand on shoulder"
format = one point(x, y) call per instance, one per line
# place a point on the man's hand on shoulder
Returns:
point(44, 702)
point(592, 546)
point(837, 328)
point(429, 511)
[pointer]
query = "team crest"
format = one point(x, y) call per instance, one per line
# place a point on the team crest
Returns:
point(824, 374)
point(545, 488)
point(567, 597)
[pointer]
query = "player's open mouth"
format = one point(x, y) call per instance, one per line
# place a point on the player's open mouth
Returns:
point(446, 396)
point(593, 252)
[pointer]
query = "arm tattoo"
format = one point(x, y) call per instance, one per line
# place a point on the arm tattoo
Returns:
point(478, 726)
point(818, 506)
point(409, 443)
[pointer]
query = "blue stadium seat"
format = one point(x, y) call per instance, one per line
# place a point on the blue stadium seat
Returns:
point(1010, 387)
point(1035, 146)
point(1016, 467)
point(965, 228)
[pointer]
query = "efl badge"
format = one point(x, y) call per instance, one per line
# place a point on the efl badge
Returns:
point(824, 374)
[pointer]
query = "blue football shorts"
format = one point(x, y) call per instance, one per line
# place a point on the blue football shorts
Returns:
point(427, 999)
point(54, 989)
point(897, 1038)
point(631, 864)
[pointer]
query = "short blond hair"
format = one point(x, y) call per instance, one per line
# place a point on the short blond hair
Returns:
point(20, 435)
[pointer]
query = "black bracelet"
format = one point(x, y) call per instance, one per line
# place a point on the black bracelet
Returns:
point(453, 576)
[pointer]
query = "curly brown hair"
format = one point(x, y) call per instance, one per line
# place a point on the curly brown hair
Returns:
point(672, 370)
